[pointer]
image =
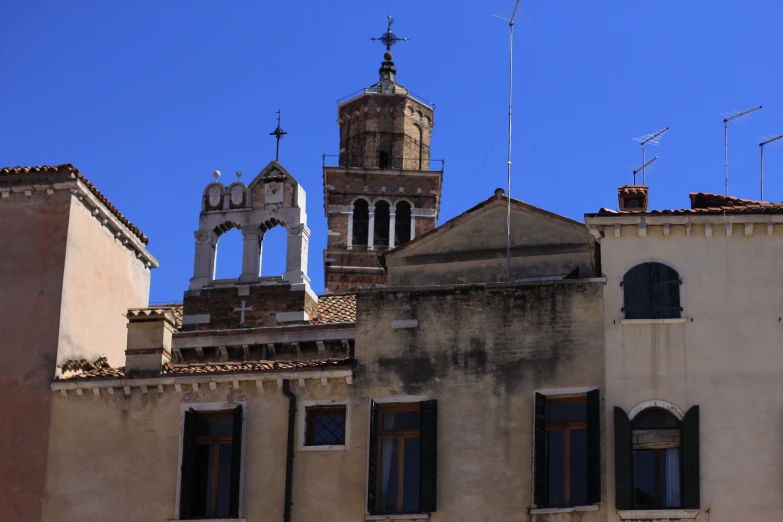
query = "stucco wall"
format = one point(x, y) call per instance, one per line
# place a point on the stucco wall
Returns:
point(726, 358)
point(102, 279)
point(32, 248)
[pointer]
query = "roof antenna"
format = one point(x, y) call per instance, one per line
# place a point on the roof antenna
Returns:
point(510, 91)
point(739, 116)
point(644, 166)
point(653, 139)
point(761, 151)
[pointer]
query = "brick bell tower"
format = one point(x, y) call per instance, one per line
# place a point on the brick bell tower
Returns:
point(383, 191)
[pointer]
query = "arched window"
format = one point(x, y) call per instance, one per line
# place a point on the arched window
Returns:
point(651, 291)
point(656, 459)
point(361, 222)
point(228, 265)
point(402, 223)
point(383, 160)
point(382, 214)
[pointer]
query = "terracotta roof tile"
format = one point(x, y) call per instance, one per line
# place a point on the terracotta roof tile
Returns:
point(72, 171)
point(177, 370)
point(175, 309)
point(338, 308)
point(706, 203)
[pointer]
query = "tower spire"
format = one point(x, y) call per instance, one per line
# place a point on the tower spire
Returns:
point(388, 71)
point(278, 133)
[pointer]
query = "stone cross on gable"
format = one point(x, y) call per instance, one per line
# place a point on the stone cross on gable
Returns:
point(242, 309)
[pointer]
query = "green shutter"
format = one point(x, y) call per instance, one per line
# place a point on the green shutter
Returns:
point(539, 452)
point(593, 447)
point(372, 468)
point(689, 448)
point(428, 471)
point(623, 463)
point(236, 463)
point(188, 469)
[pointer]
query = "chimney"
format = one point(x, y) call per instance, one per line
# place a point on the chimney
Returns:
point(633, 197)
point(149, 339)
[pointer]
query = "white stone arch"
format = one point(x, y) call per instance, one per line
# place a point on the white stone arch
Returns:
point(393, 225)
point(373, 218)
point(273, 198)
point(656, 403)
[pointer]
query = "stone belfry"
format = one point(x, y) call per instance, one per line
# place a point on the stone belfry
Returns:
point(384, 190)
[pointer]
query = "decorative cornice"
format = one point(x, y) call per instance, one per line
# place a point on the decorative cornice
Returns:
point(622, 225)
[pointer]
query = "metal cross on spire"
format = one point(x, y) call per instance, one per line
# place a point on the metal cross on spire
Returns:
point(389, 38)
point(278, 133)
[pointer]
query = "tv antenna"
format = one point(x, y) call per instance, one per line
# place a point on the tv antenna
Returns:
point(739, 116)
point(653, 139)
point(773, 140)
point(510, 21)
point(641, 169)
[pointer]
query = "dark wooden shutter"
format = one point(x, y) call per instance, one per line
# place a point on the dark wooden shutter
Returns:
point(372, 469)
point(593, 447)
point(236, 463)
point(188, 469)
point(539, 452)
point(428, 470)
point(636, 293)
point(623, 463)
point(665, 291)
point(689, 451)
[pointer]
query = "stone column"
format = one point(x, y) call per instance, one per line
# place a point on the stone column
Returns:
point(371, 230)
point(350, 230)
point(413, 225)
point(204, 262)
point(251, 255)
point(296, 254)
point(392, 222)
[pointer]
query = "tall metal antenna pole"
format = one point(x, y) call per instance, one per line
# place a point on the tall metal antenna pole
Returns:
point(510, 106)
point(644, 166)
point(726, 140)
point(761, 151)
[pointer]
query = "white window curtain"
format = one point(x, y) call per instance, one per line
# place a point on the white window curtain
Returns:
point(388, 450)
point(671, 496)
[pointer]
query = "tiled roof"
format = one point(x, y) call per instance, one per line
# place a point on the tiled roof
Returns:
point(179, 370)
point(705, 203)
point(72, 171)
point(175, 309)
point(630, 190)
point(339, 308)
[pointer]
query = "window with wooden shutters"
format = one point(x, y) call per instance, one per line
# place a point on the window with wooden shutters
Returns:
point(651, 291)
point(567, 459)
point(211, 464)
point(656, 459)
point(403, 458)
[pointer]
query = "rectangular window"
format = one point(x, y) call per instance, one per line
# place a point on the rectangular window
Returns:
point(211, 459)
point(325, 425)
point(567, 451)
point(402, 458)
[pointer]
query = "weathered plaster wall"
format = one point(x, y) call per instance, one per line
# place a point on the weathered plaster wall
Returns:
point(726, 358)
point(482, 353)
point(32, 244)
point(102, 279)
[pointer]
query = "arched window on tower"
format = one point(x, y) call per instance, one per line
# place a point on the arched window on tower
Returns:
point(402, 223)
point(382, 214)
point(383, 160)
point(361, 222)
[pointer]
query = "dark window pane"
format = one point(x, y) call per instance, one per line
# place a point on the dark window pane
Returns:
point(644, 478)
point(224, 481)
point(389, 476)
point(215, 426)
point(567, 411)
point(655, 418)
point(578, 456)
point(202, 498)
point(401, 420)
point(410, 488)
point(402, 223)
point(382, 213)
point(361, 222)
point(325, 426)
point(556, 468)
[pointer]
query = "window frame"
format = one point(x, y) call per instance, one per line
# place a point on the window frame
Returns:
point(211, 407)
point(302, 422)
point(566, 427)
point(400, 436)
point(680, 295)
point(564, 394)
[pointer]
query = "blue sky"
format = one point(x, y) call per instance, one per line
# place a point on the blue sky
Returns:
point(148, 98)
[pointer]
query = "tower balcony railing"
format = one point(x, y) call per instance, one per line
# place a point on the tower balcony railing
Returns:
point(393, 163)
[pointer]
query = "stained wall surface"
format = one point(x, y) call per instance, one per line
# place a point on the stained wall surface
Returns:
point(725, 356)
point(32, 244)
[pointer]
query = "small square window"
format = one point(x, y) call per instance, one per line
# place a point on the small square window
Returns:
point(325, 425)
